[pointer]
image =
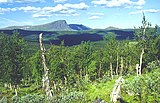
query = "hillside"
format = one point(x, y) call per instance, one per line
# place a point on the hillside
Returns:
point(59, 25)
point(70, 37)
point(78, 27)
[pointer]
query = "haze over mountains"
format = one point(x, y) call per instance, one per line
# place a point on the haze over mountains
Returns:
point(59, 25)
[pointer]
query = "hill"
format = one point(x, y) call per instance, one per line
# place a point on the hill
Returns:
point(78, 27)
point(70, 37)
point(59, 25)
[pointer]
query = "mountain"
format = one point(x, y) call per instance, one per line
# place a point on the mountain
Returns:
point(111, 28)
point(59, 25)
point(79, 27)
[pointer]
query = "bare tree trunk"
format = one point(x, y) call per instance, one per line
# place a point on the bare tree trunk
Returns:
point(137, 69)
point(121, 65)
point(116, 92)
point(100, 67)
point(15, 90)
point(117, 64)
point(143, 38)
point(45, 80)
point(111, 70)
point(140, 64)
point(111, 66)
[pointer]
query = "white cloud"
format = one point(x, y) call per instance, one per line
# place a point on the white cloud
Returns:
point(42, 19)
point(94, 17)
point(37, 15)
point(138, 7)
point(29, 9)
point(81, 6)
point(147, 11)
point(4, 10)
point(96, 13)
point(59, 1)
point(140, 2)
point(28, 1)
point(118, 3)
point(57, 8)
point(100, 2)
point(20, 1)
point(5, 1)
point(37, 12)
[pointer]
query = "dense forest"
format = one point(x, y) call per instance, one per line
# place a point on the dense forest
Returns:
point(84, 73)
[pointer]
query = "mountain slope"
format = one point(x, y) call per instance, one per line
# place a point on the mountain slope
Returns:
point(78, 27)
point(59, 25)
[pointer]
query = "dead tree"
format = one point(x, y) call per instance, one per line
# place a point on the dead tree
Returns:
point(143, 38)
point(116, 92)
point(46, 82)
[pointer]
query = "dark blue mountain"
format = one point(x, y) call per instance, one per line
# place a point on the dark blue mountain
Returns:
point(78, 27)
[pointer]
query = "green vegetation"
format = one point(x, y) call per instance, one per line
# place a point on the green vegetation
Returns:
point(83, 73)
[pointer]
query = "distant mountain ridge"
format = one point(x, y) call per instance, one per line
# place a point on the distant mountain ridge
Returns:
point(79, 27)
point(111, 28)
point(59, 25)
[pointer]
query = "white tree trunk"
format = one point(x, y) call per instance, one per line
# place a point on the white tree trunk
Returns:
point(46, 82)
point(137, 69)
point(122, 65)
point(116, 92)
point(140, 62)
point(111, 68)
point(117, 64)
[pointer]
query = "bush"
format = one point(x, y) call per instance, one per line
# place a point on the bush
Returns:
point(153, 65)
point(30, 98)
point(144, 88)
point(72, 97)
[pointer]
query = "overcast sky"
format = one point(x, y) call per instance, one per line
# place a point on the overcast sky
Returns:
point(92, 13)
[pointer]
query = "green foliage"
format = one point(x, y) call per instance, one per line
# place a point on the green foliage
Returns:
point(29, 98)
point(71, 97)
point(81, 73)
point(144, 88)
point(12, 54)
point(110, 36)
point(98, 90)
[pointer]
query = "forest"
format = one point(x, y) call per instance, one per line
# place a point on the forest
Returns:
point(85, 73)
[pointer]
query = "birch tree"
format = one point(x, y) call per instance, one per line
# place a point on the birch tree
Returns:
point(46, 82)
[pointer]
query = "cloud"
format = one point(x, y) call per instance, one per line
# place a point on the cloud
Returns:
point(57, 8)
point(28, 1)
point(145, 11)
point(96, 13)
point(140, 2)
point(138, 7)
point(37, 12)
point(30, 9)
point(42, 19)
point(4, 10)
point(81, 6)
point(118, 3)
point(37, 15)
point(5, 1)
point(59, 1)
point(94, 17)
point(20, 1)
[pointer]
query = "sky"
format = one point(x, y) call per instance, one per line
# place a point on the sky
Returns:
point(98, 14)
